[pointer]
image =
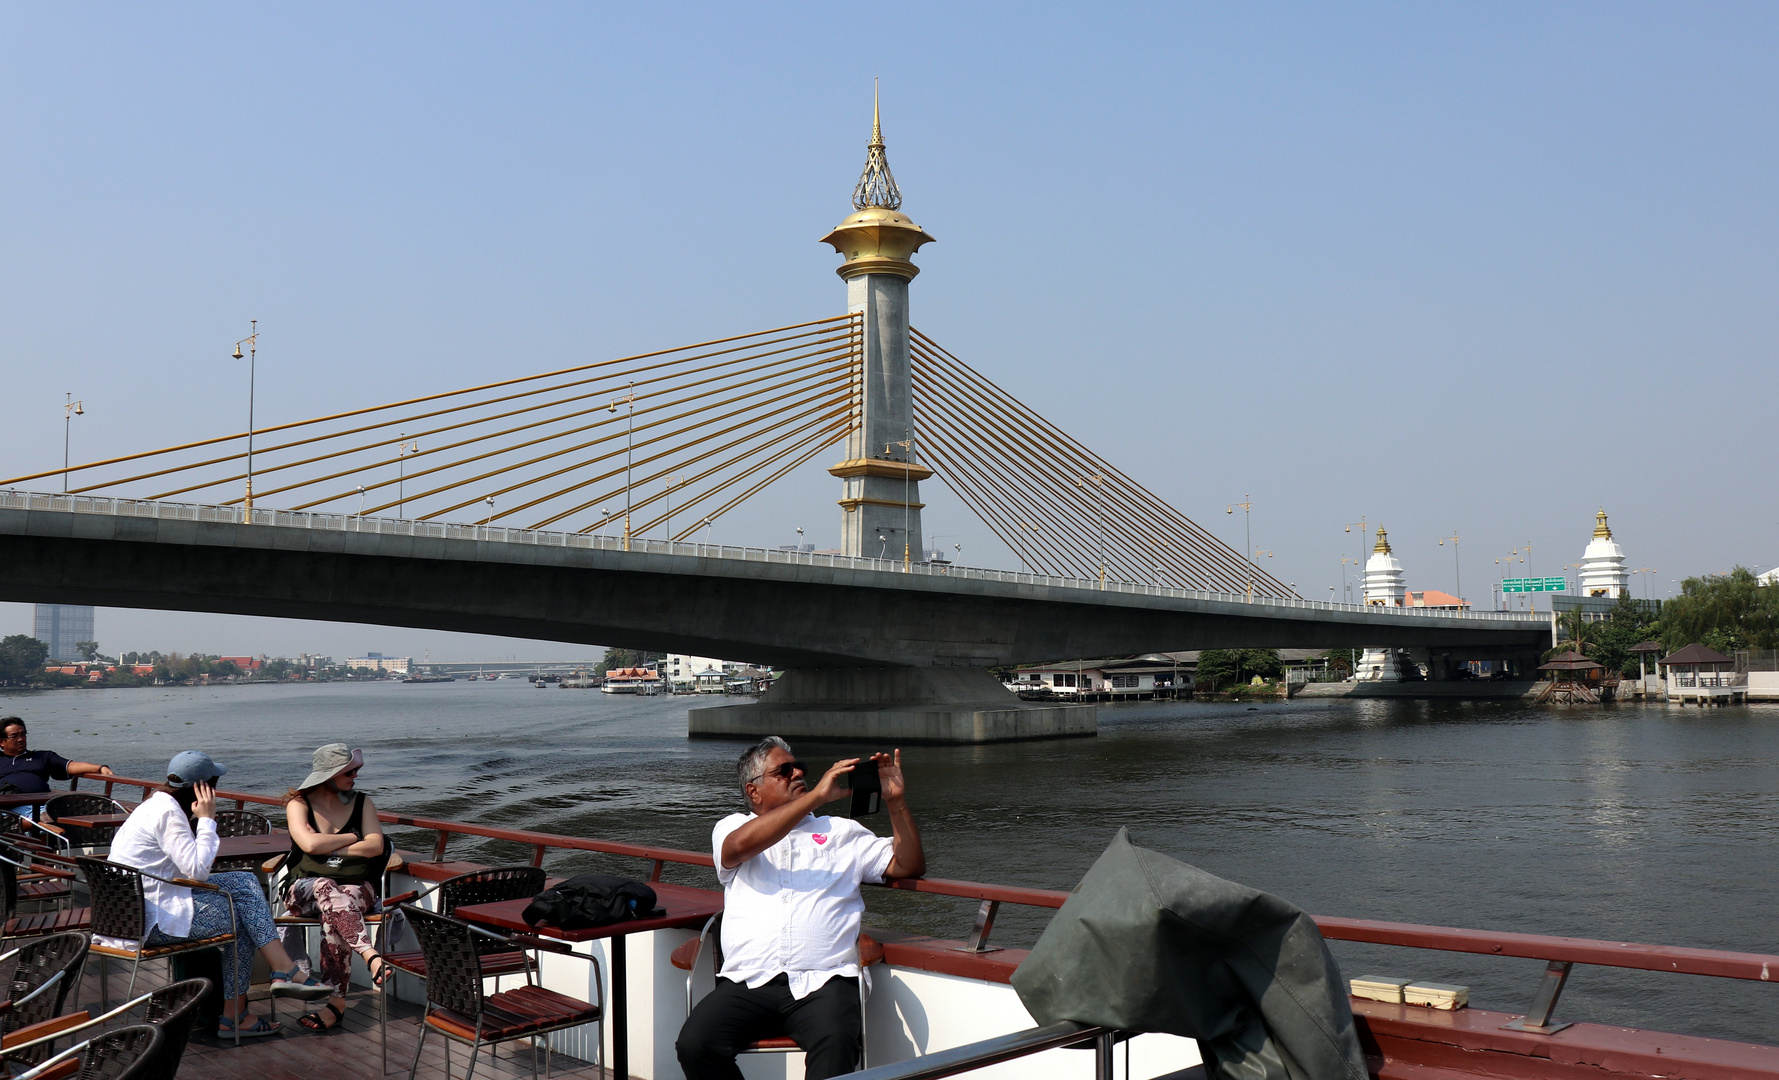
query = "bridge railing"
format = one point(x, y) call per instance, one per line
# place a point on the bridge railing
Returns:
point(444, 530)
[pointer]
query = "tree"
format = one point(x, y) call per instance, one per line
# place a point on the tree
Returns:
point(88, 650)
point(1724, 611)
point(626, 658)
point(21, 659)
point(1226, 667)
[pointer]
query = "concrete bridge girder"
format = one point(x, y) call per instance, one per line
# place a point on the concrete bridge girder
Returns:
point(782, 614)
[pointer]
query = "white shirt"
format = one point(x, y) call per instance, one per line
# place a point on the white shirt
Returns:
point(795, 907)
point(156, 838)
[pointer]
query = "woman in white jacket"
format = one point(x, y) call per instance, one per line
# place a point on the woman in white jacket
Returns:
point(173, 835)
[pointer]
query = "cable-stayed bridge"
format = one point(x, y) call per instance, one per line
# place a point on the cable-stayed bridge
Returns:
point(577, 504)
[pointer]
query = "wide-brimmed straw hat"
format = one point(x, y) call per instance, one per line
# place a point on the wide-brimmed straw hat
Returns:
point(330, 761)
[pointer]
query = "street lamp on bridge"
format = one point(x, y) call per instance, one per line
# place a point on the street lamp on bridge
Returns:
point(1247, 505)
point(252, 343)
point(1457, 574)
point(629, 399)
point(70, 409)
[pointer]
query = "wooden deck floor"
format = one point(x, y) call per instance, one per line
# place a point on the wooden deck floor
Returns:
point(352, 1051)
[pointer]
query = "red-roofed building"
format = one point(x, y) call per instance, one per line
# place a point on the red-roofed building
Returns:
point(1433, 598)
point(245, 663)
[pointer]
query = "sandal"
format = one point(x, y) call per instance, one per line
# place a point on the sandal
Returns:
point(225, 1026)
point(380, 974)
point(314, 1022)
point(295, 983)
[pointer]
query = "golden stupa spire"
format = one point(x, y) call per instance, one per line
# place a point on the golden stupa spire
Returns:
point(876, 187)
point(1383, 543)
point(1601, 530)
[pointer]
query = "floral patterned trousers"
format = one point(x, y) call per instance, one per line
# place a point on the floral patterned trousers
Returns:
point(341, 909)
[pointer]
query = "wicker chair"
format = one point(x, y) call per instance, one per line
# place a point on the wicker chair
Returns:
point(121, 1054)
point(458, 1007)
point(242, 823)
point(702, 957)
point(38, 977)
point(119, 911)
point(81, 803)
point(477, 887)
point(173, 1009)
point(19, 869)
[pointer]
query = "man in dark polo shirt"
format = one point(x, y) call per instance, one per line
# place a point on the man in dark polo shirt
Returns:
point(30, 771)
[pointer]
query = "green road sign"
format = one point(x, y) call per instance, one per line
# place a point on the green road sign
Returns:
point(1535, 584)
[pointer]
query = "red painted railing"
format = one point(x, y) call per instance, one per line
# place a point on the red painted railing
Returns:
point(1620, 954)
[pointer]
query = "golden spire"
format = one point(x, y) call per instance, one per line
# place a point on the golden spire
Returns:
point(1601, 531)
point(1383, 543)
point(877, 238)
point(876, 187)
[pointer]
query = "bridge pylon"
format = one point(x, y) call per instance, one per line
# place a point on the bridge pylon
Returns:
point(880, 478)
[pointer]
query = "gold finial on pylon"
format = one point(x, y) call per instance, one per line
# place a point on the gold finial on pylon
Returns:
point(876, 120)
point(877, 238)
point(1383, 543)
point(1601, 530)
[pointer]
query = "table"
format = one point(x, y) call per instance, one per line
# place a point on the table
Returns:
point(14, 800)
point(248, 852)
point(685, 906)
point(92, 821)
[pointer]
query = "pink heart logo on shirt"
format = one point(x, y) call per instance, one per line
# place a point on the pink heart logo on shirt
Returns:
point(820, 838)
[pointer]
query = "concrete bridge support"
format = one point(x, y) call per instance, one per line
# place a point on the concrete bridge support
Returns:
point(892, 707)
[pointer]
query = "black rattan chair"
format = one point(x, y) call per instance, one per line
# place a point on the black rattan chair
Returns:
point(458, 1007)
point(28, 877)
point(119, 912)
point(476, 887)
point(173, 1009)
point(38, 977)
point(122, 1054)
point(81, 803)
point(242, 823)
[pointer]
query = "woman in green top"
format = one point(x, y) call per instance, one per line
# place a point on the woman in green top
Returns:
point(339, 853)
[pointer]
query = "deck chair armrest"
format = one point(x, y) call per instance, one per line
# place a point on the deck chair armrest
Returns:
point(48, 871)
point(272, 865)
point(402, 898)
point(396, 863)
point(532, 941)
point(190, 883)
point(47, 827)
point(55, 1027)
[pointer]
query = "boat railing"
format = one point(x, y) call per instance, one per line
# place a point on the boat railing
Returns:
point(1557, 952)
point(1009, 1047)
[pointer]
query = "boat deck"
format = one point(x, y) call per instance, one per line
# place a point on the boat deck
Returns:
point(352, 1051)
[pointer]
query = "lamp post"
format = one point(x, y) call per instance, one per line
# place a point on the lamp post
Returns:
point(1457, 574)
point(1247, 506)
point(667, 493)
point(70, 409)
point(1506, 563)
point(360, 500)
point(1531, 597)
point(629, 399)
point(799, 538)
point(1358, 590)
point(706, 524)
point(1099, 487)
point(1645, 571)
point(1343, 575)
point(402, 451)
point(489, 520)
point(252, 343)
point(907, 446)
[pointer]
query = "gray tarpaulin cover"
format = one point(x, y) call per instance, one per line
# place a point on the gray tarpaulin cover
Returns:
point(1148, 943)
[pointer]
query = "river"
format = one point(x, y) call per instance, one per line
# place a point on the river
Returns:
point(1638, 823)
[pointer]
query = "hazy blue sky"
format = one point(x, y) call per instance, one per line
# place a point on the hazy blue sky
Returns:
point(1479, 268)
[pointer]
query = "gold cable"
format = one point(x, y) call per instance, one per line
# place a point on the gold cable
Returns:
point(428, 397)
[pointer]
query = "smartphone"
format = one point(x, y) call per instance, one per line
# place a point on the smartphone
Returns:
point(867, 788)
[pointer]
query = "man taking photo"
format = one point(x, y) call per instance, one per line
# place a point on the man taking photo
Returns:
point(791, 912)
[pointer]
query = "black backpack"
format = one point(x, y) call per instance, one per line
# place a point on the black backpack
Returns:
point(588, 900)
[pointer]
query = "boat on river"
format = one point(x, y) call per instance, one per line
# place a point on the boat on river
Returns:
point(943, 1005)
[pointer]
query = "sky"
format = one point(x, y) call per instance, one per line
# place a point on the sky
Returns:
point(1473, 270)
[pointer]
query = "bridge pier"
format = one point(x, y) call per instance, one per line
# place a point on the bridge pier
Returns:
point(893, 706)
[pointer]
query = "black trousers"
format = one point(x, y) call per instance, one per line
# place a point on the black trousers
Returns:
point(826, 1025)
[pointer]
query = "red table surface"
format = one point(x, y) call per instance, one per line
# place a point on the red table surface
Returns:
point(89, 821)
point(685, 905)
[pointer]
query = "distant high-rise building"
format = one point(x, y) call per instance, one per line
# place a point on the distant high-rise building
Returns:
point(61, 625)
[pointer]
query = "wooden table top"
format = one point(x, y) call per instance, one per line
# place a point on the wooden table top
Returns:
point(265, 845)
point(685, 905)
point(90, 821)
point(15, 799)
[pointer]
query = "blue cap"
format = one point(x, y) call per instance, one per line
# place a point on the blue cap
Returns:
point(191, 766)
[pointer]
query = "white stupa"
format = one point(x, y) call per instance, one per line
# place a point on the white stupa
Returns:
point(1603, 570)
point(1384, 587)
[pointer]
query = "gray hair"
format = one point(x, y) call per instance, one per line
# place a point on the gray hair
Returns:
point(753, 760)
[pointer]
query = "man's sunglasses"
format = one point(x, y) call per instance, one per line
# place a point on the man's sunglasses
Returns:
point(9, 736)
point(784, 772)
